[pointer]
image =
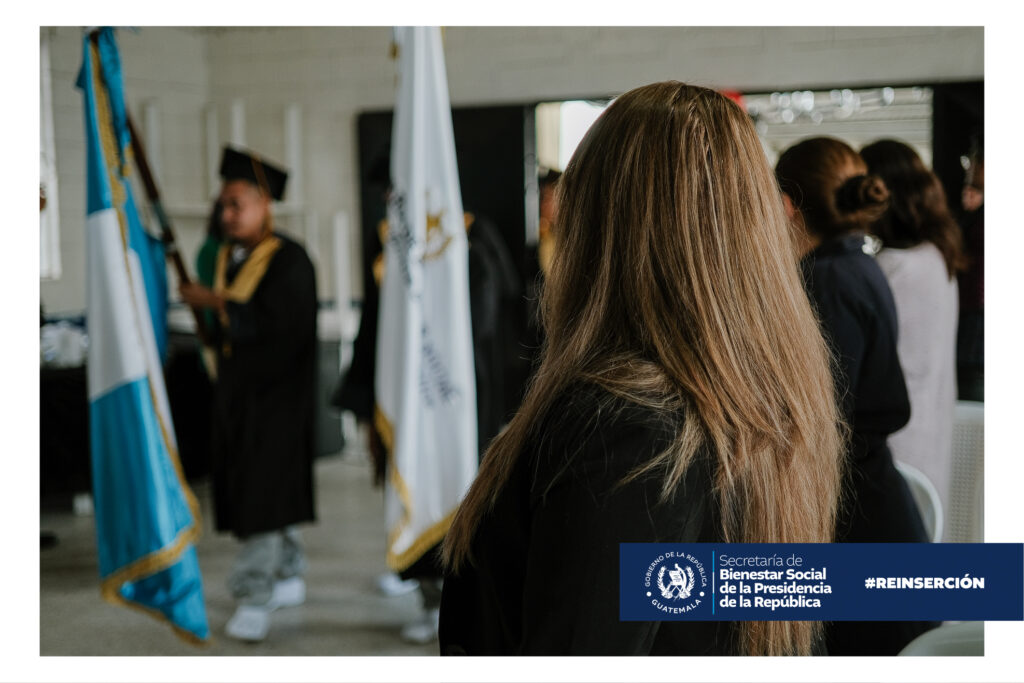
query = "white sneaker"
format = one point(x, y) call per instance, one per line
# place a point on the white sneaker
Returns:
point(288, 592)
point(424, 629)
point(392, 585)
point(249, 623)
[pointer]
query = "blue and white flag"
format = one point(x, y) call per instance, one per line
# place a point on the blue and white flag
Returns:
point(146, 516)
point(425, 383)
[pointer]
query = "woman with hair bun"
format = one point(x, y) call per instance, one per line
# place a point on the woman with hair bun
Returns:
point(921, 254)
point(683, 395)
point(832, 202)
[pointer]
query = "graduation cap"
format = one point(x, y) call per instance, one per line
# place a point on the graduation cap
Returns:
point(239, 165)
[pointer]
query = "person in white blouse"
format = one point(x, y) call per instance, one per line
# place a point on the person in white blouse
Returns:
point(921, 255)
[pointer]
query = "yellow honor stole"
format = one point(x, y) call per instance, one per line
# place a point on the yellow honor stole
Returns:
point(248, 278)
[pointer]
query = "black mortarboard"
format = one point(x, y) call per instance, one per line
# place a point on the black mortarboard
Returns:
point(239, 165)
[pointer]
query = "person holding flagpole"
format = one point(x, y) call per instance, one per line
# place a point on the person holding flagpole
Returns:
point(264, 303)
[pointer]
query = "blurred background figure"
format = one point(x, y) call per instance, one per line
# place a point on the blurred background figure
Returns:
point(545, 249)
point(970, 351)
point(973, 197)
point(264, 305)
point(494, 286)
point(206, 267)
point(355, 389)
point(921, 254)
point(47, 539)
point(206, 258)
point(832, 202)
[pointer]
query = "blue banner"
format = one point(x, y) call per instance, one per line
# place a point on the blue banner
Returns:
point(821, 581)
point(146, 516)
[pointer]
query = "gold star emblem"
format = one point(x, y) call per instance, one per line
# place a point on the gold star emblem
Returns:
point(435, 234)
point(433, 222)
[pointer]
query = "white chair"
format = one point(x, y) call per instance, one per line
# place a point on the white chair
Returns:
point(926, 497)
point(966, 513)
point(963, 639)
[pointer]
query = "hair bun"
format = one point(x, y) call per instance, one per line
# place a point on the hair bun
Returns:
point(861, 192)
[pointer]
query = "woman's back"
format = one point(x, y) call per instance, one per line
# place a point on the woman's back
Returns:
point(858, 315)
point(859, 319)
point(545, 572)
point(926, 307)
point(923, 251)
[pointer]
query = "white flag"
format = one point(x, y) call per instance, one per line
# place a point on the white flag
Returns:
point(425, 386)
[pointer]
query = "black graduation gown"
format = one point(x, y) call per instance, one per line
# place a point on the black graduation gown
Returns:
point(264, 400)
point(493, 283)
point(858, 316)
point(544, 577)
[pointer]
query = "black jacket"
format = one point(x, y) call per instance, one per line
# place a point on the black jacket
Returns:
point(858, 316)
point(493, 284)
point(544, 577)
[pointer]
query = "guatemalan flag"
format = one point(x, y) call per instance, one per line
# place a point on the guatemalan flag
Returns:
point(425, 383)
point(146, 516)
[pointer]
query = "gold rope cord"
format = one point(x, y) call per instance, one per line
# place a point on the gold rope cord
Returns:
point(430, 536)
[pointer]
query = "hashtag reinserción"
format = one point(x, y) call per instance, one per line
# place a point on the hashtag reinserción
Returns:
point(926, 582)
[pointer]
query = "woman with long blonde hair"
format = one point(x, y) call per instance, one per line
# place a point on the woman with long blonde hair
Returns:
point(684, 395)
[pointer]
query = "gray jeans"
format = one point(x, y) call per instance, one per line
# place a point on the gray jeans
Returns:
point(264, 559)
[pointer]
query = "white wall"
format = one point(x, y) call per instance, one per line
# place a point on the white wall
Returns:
point(334, 73)
point(167, 66)
point(494, 64)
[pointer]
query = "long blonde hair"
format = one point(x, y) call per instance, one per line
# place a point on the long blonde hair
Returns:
point(675, 285)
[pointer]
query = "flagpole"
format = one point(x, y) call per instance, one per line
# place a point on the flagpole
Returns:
point(167, 231)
